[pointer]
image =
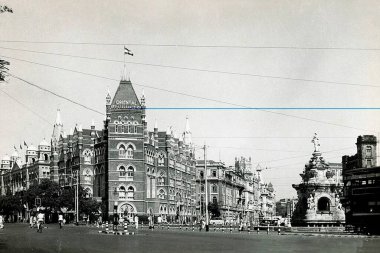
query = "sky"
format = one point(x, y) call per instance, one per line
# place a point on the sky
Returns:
point(270, 54)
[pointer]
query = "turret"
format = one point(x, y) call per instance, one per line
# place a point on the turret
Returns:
point(57, 131)
point(187, 133)
point(108, 105)
point(31, 154)
point(155, 134)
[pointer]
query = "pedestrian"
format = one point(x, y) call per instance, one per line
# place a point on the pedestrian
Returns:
point(1, 222)
point(137, 222)
point(60, 220)
point(31, 221)
point(34, 221)
point(40, 220)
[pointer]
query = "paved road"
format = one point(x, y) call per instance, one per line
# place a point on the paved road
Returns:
point(20, 238)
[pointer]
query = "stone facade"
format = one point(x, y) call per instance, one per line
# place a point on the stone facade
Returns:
point(240, 192)
point(319, 193)
point(361, 198)
point(138, 172)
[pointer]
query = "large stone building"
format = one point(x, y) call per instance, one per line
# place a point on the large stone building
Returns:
point(17, 174)
point(140, 172)
point(238, 190)
point(361, 177)
point(319, 192)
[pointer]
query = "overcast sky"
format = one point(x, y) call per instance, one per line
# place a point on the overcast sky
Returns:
point(279, 142)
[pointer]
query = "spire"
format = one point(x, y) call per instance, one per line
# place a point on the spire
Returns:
point(155, 124)
point(187, 127)
point(187, 133)
point(143, 98)
point(108, 97)
point(125, 76)
point(58, 121)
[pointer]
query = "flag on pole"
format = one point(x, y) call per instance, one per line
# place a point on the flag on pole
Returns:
point(14, 147)
point(127, 51)
point(25, 144)
point(20, 146)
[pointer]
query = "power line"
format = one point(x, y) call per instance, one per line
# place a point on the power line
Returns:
point(185, 94)
point(287, 158)
point(202, 70)
point(26, 107)
point(192, 45)
point(268, 137)
point(55, 94)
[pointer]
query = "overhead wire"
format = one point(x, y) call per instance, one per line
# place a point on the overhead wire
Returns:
point(199, 69)
point(179, 45)
point(190, 95)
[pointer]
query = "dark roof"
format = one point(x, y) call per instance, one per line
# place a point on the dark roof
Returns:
point(125, 91)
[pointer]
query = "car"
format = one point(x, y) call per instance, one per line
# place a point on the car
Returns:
point(216, 221)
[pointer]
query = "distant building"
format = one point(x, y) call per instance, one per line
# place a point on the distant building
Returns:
point(319, 193)
point(361, 177)
point(18, 174)
point(238, 190)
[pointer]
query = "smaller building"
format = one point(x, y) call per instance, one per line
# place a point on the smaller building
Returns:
point(361, 177)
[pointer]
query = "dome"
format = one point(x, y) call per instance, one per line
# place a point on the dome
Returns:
point(6, 158)
point(31, 147)
point(15, 154)
point(44, 143)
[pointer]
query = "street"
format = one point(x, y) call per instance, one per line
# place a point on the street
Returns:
point(20, 238)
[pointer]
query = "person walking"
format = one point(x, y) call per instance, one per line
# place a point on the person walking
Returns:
point(31, 221)
point(60, 220)
point(40, 220)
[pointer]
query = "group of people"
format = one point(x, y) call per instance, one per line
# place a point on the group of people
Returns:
point(38, 220)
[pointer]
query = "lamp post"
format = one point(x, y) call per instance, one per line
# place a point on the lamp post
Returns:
point(206, 190)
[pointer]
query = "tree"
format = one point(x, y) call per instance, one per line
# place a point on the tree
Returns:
point(3, 63)
point(4, 8)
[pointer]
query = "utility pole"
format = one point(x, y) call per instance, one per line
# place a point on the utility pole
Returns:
point(77, 198)
point(206, 190)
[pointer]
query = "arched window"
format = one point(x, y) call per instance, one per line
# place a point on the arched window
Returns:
point(161, 160)
point(87, 156)
point(130, 172)
point(130, 152)
point(202, 188)
point(46, 157)
point(122, 153)
point(214, 188)
point(161, 194)
point(324, 204)
point(130, 128)
point(122, 171)
point(130, 193)
point(116, 128)
point(122, 192)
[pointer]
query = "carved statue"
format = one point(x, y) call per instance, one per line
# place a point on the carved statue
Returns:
point(315, 140)
point(337, 202)
point(310, 202)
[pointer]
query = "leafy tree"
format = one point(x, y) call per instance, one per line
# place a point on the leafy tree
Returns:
point(3, 63)
point(9, 204)
point(4, 8)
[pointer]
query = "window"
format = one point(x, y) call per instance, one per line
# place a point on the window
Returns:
point(122, 171)
point(130, 193)
point(161, 194)
point(214, 173)
point(121, 192)
point(122, 153)
point(130, 128)
point(130, 152)
point(161, 160)
point(369, 163)
point(46, 157)
point(214, 200)
point(202, 188)
point(130, 172)
point(201, 174)
point(214, 189)
point(87, 156)
point(369, 151)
